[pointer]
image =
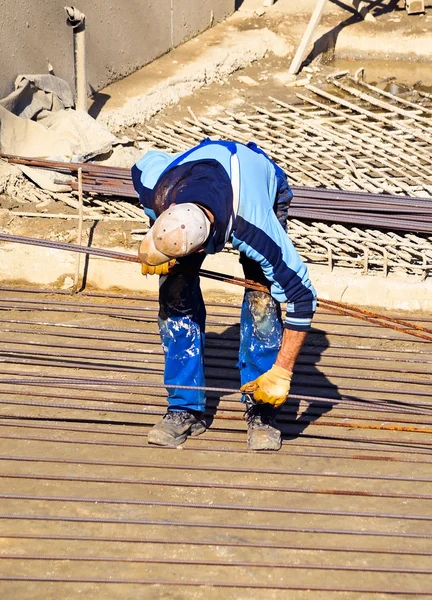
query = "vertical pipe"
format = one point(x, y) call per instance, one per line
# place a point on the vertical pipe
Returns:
point(76, 20)
point(307, 36)
point(80, 228)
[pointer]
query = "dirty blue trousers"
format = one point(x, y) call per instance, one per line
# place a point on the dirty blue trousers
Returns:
point(182, 329)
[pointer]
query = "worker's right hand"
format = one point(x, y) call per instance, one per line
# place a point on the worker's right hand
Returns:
point(162, 269)
point(271, 387)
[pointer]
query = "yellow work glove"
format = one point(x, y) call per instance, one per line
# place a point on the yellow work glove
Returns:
point(162, 269)
point(271, 387)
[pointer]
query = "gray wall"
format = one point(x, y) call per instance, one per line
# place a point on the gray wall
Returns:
point(121, 35)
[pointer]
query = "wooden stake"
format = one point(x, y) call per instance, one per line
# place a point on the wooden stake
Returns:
point(307, 36)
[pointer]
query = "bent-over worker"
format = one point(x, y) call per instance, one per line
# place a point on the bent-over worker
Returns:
point(198, 200)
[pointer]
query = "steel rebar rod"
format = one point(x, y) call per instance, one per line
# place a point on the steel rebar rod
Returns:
point(311, 421)
point(205, 469)
point(214, 584)
point(290, 406)
point(215, 356)
point(216, 485)
point(337, 307)
point(308, 355)
point(75, 382)
point(214, 525)
point(359, 409)
point(222, 543)
point(93, 363)
point(302, 438)
point(220, 506)
point(216, 563)
point(210, 337)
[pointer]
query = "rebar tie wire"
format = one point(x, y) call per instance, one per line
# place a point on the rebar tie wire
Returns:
point(337, 307)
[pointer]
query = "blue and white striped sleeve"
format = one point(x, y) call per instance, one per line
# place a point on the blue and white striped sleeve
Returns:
point(270, 246)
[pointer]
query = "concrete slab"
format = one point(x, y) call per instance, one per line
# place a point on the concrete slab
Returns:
point(87, 506)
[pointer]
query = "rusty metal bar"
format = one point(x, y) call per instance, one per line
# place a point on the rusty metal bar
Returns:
point(209, 337)
point(216, 506)
point(307, 351)
point(310, 420)
point(224, 544)
point(225, 486)
point(196, 468)
point(216, 563)
point(369, 407)
point(86, 363)
point(205, 583)
point(292, 443)
point(336, 307)
point(215, 525)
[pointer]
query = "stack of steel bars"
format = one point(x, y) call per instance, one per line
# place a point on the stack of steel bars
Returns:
point(404, 213)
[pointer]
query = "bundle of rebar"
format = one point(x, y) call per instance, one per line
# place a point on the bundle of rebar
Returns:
point(385, 211)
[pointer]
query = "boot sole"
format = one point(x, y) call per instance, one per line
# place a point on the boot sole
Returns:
point(257, 442)
point(161, 438)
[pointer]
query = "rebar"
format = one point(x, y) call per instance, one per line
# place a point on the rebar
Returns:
point(338, 307)
point(216, 525)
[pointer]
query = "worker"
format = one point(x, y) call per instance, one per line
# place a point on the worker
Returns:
point(197, 201)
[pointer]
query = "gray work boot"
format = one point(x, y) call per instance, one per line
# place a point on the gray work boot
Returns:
point(175, 427)
point(262, 435)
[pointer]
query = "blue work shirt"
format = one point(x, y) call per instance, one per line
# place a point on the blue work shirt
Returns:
point(204, 175)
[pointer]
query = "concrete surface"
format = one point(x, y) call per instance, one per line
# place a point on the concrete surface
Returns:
point(121, 36)
point(86, 504)
point(234, 44)
point(211, 57)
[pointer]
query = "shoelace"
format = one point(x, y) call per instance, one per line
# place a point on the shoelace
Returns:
point(178, 416)
point(258, 412)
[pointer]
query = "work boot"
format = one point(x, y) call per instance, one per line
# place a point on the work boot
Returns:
point(260, 417)
point(175, 427)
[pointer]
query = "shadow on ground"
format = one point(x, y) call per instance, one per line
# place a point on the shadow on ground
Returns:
point(308, 380)
point(326, 44)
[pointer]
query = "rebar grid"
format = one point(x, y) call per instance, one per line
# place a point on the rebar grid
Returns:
point(76, 468)
point(346, 135)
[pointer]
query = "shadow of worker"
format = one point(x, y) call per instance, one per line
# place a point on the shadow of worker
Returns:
point(221, 370)
point(309, 385)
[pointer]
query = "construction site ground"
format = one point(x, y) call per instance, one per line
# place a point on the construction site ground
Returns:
point(238, 70)
point(87, 507)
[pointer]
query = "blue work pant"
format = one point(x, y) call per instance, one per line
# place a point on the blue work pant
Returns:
point(182, 330)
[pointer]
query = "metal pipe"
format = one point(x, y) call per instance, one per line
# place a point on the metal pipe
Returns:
point(76, 20)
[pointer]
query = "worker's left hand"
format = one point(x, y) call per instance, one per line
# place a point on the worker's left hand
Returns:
point(162, 269)
point(271, 387)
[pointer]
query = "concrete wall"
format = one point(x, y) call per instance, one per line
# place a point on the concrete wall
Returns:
point(122, 35)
